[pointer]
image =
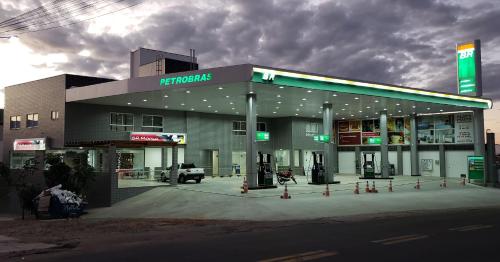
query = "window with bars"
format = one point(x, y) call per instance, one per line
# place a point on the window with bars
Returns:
point(32, 120)
point(15, 122)
point(121, 122)
point(152, 123)
point(54, 115)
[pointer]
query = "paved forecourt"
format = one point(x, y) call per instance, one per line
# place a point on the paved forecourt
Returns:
point(220, 198)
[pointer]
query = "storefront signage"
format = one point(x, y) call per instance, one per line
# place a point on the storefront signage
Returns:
point(180, 138)
point(475, 166)
point(30, 144)
point(188, 79)
point(322, 138)
point(466, 68)
point(262, 136)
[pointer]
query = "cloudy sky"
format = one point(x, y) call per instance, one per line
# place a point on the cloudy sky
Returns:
point(409, 43)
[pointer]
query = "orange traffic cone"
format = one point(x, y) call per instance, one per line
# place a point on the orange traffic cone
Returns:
point(390, 186)
point(373, 190)
point(367, 188)
point(443, 184)
point(327, 191)
point(245, 186)
point(356, 188)
point(417, 186)
point(285, 194)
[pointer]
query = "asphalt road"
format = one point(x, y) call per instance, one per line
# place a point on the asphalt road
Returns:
point(468, 235)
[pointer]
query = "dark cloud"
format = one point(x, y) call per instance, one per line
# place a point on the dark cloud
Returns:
point(391, 41)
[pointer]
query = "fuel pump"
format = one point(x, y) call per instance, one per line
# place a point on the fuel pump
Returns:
point(265, 171)
point(318, 169)
point(369, 164)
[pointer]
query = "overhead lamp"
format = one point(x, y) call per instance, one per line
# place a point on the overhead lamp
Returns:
point(182, 104)
point(360, 111)
point(279, 102)
point(399, 111)
point(319, 112)
point(343, 118)
point(414, 106)
point(334, 95)
point(204, 100)
point(309, 91)
point(227, 96)
point(220, 88)
point(376, 101)
point(216, 111)
point(346, 104)
point(209, 106)
point(192, 109)
point(336, 114)
point(166, 106)
point(281, 87)
point(313, 115)
point(277, 107)
point(233, 108)
point(298, 109)
point(440, 110)
point(145, 100)
point(385, 109)
point(274, 112)
point(304, 99)
point(278, 95)
point(367, 116)
point(356, 98)
point(129, 103)
point(296, 114)
point(165, 96)
point(301, 104)
point(326, 102)
point(251, 92)
point(237, 112)
point(352, 115)
point(428, 108)
point(343, 109)
point(368, 107)
point(231, 103)
point(397, 104)
point(188, 92)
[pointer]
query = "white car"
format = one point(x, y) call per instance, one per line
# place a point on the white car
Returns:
point(184, 173)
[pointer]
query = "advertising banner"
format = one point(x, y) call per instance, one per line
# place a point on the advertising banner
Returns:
point(30, 144)
point(464, 128)
point(475, 167)
point(353, 138)
point(180, 138)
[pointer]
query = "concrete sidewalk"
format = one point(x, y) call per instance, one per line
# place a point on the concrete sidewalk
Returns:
point(11, 246)
point(220, 198)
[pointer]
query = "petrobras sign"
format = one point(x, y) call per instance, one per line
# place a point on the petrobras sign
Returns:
point(30, 144)
point(187, 79)
point(467, 68)
point(179, 138)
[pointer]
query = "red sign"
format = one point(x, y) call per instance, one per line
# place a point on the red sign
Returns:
point(353, 138)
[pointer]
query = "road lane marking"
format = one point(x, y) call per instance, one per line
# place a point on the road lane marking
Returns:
point(306, 256)
point(399, 239)
point(470, 228)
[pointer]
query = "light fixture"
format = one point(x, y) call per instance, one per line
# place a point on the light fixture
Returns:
point(428, 108)
point(385, 109)
point(165, 96)
point(296, 114)
point(309, 91)
point(251, 92)
point(319, 112)
point(343, 109)
point(334, 95)
point(368, 107)
point(233, 108)
point(356, 98)
point(278, 95)
point(192, 109)
point(301, 104)
point(281, 87)
point(326, 102)
point(274, 112)
point(216, 111)
point(166, 106)
point(343, 118)
point(399, 111)
point(440, 110)
point(303, 99)
point(360, 111)
point(187, 92)
point(346, 104)
point(145, 100)
point(390, 114)
point(376, 113)
point(298, 109)
point(129, 103)
point(366, 116)
point(220, 88)
point(376, 101)
point(182, 104)
point(204, 100)
point(279, 102)
point(209, 106)
point(227, 96)
point(414, 106)
point(277, 107)
point(336, 114)
point(398, 104)
point(231, 103)
point(320, 107)
point(352, 115)
point(237, 112)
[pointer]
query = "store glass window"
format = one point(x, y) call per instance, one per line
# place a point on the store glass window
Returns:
point(240, 127)
point(15, 122)
point(282, 158)
point(121, 122)
point(152, 123)
point(31, 120)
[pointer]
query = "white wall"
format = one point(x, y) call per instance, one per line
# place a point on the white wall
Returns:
point(456, 162)
point(434, 155)
point(180, 156)
point(406, 163)
point(347, 162)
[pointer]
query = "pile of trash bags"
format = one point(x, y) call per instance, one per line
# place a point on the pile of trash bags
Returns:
point(58, 203)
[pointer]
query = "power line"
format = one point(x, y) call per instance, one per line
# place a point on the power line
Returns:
point(62, 13)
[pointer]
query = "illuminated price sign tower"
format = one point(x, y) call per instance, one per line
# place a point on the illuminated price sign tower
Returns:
point(469, 68)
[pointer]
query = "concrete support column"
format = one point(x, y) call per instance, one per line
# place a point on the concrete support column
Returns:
point(399, 172)
point(251, 145)
point(415, 169)
point(479, 149)
point(490, 160)
point(442, 161)
point(335, 153)
point(328, 147)
point(384, 146)
point(357, 159)
point(173, 170)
